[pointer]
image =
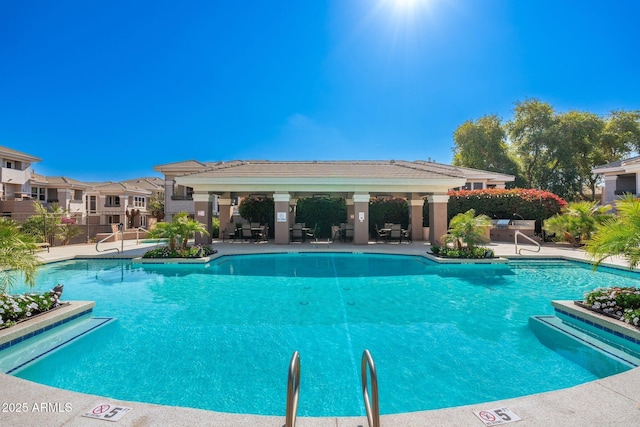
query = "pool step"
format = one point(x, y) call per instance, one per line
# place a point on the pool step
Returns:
point(572, 343)
point(22, 354)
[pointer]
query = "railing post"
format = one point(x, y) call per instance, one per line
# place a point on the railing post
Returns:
point(293, 390)
point(372, 408)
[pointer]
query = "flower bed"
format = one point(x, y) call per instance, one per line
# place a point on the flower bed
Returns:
point(190, 252)
point(465, 253)
point(15, 308)
point(620, 303)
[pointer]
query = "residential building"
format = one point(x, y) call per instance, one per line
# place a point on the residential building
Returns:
point(620, 177)
point(15, 176)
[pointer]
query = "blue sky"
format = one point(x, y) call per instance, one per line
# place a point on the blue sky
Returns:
point(106, 90)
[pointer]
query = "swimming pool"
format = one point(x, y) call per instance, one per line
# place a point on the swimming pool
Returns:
point(220, 338)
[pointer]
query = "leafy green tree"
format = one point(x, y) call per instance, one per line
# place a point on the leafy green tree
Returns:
point(482, 144)
point(577, 221)
point(535, 142)
point(618, 235)
point(580, 133)
point(156, 207)
point(467, 228)
point(49, 224)
point(17, 254)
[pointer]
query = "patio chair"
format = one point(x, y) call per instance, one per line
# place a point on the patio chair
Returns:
point(406, 234)
point(348, 232)
point(229, 232)
point(296, 233)
point(381, 234)
point(312, 233)
point(336, 232)
point(246, 232)
point(395, 233)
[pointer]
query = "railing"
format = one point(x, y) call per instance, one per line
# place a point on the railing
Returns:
point(371, 406)
point(138, 234)
point(515, 238)
point(293, 390)
point(107, 238)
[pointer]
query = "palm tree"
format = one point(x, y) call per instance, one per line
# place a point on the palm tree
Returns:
point(187, 228)
point(467, 228)
point(618, 235)
point(178, 231)
point(577, 222)
point(17, 254)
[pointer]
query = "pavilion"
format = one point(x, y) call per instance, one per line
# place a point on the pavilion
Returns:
point(355, 181)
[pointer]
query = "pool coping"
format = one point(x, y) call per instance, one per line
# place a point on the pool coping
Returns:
point(608, 401)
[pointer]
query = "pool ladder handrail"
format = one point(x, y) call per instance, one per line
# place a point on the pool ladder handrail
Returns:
point(107, 238)
point(293, 390)
point(372, 407)
point(519, 251)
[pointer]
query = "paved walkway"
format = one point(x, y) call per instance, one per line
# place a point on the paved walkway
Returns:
point(607, 402)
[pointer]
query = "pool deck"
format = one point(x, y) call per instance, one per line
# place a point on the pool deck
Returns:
point(613, 400)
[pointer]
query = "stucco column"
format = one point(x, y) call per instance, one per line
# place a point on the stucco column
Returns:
point(350, 211)
point(281, 221)
point(203, 206)
point(610, 187)
point(437, 217)
point(224, 212)
point(415, 218)
point(361, 220)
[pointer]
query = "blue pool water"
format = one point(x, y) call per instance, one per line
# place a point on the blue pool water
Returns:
point(221, 337)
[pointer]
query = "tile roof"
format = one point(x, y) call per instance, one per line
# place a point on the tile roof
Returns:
point(397, 169)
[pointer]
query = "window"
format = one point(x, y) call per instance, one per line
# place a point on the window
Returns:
point(92, 203)
point(139, 202)
point(38, 193)
point(112, 201)
point(113, 219)
point(189, 193)
point(477, 186)
point(9, 165)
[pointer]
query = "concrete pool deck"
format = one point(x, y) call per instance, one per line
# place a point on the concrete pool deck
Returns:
point(610, 401)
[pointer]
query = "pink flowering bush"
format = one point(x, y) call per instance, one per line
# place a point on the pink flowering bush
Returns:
point(17, 307)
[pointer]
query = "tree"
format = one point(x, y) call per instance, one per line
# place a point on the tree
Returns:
point(156, 207)
point(533, 135)
point(17, 254)
point(577, 222)
point(578, 134)
point(618, 235)
point(467, 228)
point(483, 145)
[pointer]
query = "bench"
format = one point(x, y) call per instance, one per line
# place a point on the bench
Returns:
point(43, 246)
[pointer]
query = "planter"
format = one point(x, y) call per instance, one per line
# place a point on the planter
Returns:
point(425, 234)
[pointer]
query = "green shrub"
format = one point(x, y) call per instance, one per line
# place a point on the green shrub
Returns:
point(394, 210)
point(323, 211)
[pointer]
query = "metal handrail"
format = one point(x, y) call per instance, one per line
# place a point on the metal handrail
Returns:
point(515, 238)
point(106, 238)
point(138, 234)
point(293, 390)
point(372, 407)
